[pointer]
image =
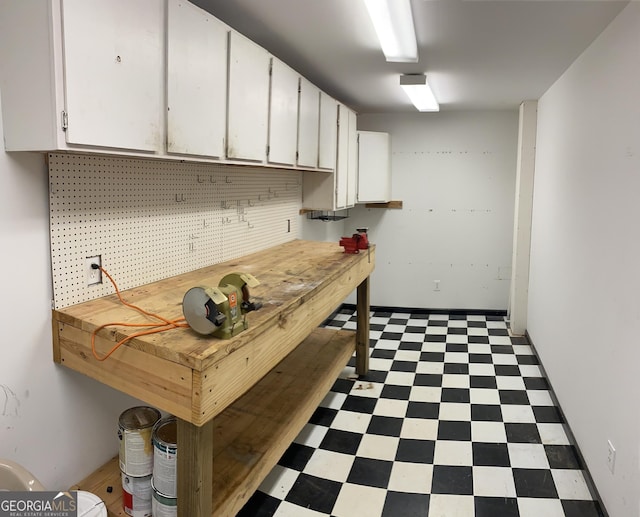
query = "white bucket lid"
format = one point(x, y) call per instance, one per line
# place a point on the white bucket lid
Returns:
point(90, 505)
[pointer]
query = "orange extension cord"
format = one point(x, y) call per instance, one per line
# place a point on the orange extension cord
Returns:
point(155, 327)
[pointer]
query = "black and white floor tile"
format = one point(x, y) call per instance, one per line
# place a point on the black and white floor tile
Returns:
point(455, 419)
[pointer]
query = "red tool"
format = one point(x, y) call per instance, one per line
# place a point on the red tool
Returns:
point(355, 243)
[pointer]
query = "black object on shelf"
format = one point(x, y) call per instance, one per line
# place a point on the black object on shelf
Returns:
point(328, 215)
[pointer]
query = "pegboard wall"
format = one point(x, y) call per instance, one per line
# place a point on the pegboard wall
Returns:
point(151, 219)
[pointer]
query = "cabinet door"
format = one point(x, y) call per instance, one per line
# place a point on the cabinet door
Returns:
point(248, 101)
point(342, 164)
point(114, 73)
point(196, 81)
point(328, 140)
point(309, 124)
point(352, 159)
point(374, 167)
point(283, 113)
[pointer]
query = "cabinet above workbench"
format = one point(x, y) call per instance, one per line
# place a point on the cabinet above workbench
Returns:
point(153, 78)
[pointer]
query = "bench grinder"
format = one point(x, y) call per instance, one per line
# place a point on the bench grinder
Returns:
point(221, 310)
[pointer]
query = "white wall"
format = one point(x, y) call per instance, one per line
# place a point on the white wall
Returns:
point(455, 173)
point(318, 230)
point(57, 423)
point(584, 301)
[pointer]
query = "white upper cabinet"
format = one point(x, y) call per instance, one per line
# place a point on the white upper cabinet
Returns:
point(342, 164)
point(335, 190)
point(113, 70)
point(346, 168)
point(374, 167)
point(248, 100)
point(352, 159)
point(196, 81)
point(283, 113)
point(83, 74)
point(328, 140)
point(308, 124)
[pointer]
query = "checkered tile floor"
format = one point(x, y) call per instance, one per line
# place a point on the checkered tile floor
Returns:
point(455, 420)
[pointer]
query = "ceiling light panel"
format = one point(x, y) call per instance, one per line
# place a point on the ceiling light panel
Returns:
point(393, 22)
point(418, 90)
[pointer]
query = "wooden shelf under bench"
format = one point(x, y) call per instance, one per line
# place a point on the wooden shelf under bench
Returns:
point(225, 393)
point(250, 436)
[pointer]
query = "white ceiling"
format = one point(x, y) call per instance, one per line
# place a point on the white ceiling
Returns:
point(477, 54)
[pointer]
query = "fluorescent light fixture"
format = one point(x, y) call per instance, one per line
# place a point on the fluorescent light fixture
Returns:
point(393, 22)
point(417, 88)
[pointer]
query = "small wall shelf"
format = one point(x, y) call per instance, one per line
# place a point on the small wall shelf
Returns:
point(388, 204)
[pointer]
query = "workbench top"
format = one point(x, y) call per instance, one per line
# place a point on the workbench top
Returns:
point(289, 274)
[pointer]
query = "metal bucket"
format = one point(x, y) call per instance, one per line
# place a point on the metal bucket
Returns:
point(136, 495)
point(163, 506)
point(134, 431)
point(165, 454)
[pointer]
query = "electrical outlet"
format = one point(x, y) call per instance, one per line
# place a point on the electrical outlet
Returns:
point(93, 276)
point(611, 456)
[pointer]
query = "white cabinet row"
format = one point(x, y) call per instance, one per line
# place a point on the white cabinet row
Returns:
point(160, 78)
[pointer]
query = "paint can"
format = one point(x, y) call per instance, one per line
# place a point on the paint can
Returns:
point(165, 454)
point(136, 495)
point(90, 505)
point(135, 427)
point(163, 506)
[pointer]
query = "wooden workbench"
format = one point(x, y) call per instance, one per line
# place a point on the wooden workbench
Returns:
point(239, 402)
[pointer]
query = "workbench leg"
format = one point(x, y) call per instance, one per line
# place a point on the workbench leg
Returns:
point(195, 469)
point(362, 333)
